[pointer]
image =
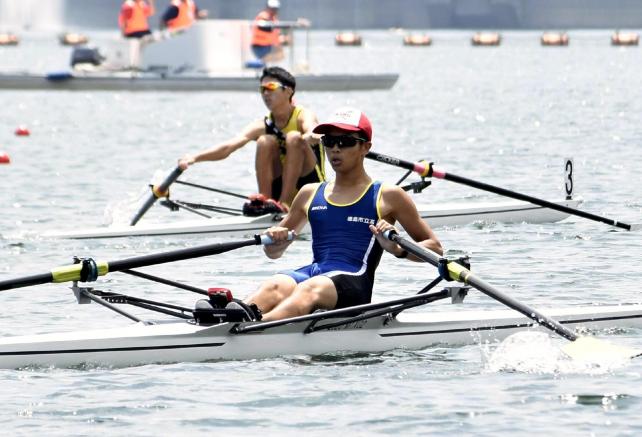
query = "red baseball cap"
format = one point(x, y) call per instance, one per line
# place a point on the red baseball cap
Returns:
point(347, 119)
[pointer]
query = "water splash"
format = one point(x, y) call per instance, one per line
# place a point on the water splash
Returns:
point(537, 352)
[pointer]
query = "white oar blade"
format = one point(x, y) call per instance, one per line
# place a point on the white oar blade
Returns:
point(593, 350)
point(636, 226)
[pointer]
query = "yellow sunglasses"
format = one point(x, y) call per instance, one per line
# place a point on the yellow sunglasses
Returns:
point(270, 86)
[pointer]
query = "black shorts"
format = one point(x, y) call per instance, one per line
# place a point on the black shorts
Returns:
point(352, 290)
point(277, 184)
point(138, 34)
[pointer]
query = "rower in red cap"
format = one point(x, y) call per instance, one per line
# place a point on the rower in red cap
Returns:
point(348, 217)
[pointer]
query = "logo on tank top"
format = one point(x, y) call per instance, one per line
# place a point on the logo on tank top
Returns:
point(318, 207)
point(365, 220)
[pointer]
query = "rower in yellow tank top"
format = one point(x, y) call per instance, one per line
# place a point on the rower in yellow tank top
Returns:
point(280, 134)
point(288, 154)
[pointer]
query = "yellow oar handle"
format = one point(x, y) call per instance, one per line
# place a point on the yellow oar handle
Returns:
point(74, 272)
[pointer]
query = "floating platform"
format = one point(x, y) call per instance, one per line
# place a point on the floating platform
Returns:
point(625, 39)
point(162, 82)
point(417, 40)
point(486, 39)
point(554, 39)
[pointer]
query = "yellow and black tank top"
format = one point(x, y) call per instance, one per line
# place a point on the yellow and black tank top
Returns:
point(290, 126)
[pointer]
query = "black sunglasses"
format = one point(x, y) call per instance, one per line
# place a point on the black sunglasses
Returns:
point(342, 141)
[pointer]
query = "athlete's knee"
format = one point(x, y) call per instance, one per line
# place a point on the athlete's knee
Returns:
point(294, 140)
point(268, 142)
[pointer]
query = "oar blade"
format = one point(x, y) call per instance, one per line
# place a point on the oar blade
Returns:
point(594, 350)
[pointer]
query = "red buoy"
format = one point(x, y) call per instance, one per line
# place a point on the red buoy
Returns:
point(4, 158)
point(22, 131)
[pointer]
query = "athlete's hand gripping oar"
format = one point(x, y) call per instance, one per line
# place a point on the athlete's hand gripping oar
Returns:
point(88, 270)
point(427, 169)
point(158, 191)
point(581, 348)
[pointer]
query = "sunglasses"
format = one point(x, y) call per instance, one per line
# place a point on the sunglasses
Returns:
point(342, 141)
point(270, 86)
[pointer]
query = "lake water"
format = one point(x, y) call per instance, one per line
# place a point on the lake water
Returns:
point(507, 116)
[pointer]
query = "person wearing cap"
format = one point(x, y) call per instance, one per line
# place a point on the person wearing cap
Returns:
point(265, 36)
point(348, 217)
point(288, 154)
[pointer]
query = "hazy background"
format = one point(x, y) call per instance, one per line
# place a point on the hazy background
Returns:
point(353, 14)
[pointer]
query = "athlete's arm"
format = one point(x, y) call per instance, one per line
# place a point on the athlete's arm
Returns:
point(397, 206)
point(307, 121)
point(295, 220)
point(221, 151)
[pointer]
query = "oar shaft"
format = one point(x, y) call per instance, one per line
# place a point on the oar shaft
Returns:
point(459, 273)
point(428, 170)
point(534, 200)
point(179, 255)
point(215, 190)
point(26, 281)
point(155, 194)
point(74, 272)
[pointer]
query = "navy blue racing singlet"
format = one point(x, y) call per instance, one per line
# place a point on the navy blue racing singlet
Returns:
point(341, 238)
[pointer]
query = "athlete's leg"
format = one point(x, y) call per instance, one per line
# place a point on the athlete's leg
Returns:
point(267, 164)
point(300, 161)
point(272, 291)
point(317, 292)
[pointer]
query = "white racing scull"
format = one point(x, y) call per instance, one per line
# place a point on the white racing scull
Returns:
point(444, 214)
point(184, 341)
point(517, 210)
point(214, 331)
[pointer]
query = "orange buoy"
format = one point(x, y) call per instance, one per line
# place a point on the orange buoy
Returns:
point(8, 39)
point(625, 39)
point(72, 39)
point(554, 39)
point(486, 39)
point(4, 158)
point(22, 131)
point(417, 40)
point(347, 39)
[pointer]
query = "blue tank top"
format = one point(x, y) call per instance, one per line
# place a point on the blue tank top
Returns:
point(341, 237)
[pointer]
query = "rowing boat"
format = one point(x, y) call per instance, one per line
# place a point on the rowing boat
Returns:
point(215, 330)
point(444, 214)
point(187, 341)
point(152, 81)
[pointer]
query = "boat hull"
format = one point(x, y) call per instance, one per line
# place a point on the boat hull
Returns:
point(187, 83)
point(436, 216)
point(185, 342)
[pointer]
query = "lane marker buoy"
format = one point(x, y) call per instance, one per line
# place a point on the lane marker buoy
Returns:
point(22, 131)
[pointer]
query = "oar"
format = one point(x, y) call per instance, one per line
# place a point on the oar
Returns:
point(582, 348)
point(158, 191)
point(427, 169)
point(89, 270)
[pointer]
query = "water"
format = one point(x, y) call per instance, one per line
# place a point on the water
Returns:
point(507, 116)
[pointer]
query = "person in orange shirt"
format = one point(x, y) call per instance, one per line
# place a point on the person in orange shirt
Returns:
point(265, 38)
point(133, 18)
point(181, 14)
